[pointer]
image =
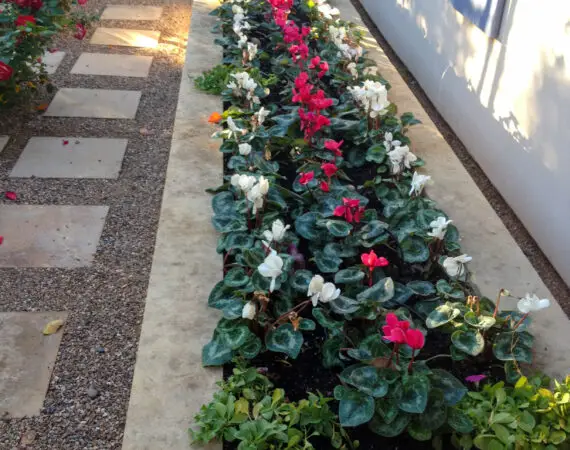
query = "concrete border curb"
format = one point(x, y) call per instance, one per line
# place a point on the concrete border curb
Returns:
point(170, 384)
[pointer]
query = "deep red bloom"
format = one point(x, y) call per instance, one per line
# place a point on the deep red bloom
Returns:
point(312, 122)
point(371, 260)
point(65, 142)
point(334, 146)
point(329, 169)
point(301, 80)
point(23, 3)
point(325, 186)
point(5, 71)
point(415, 339)
point(10, 195)
point(299, 52)
point(22, 21)
point(306, 178)
point(315, 62)
point(324, 66)
point(350, 210)
point(396, 335)
point(80, 31)
point(1, 239)
point(82, 2)
point(36, 4)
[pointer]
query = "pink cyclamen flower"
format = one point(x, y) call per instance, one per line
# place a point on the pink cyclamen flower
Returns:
point(329, 169)
point(334, 146)
point(415, 339)
point(306, 178)
point(475, 378)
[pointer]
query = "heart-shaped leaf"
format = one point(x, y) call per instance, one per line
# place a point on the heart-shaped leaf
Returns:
point(381, 292)
point(338, 228)
point(236, 277)
point(285, 340)
point(453, 389)
point(366, 379)
point(414, 249)
point(479, 321)
point(422, 288)
point(414, 396)
point(355, 408)
point(441, 315)
point(470, 342)
point(348, 276)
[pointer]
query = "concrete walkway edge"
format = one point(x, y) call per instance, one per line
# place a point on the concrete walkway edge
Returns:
point(170, 384)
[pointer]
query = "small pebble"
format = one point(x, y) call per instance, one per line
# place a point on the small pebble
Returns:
point(100, 350)
point(92, 392)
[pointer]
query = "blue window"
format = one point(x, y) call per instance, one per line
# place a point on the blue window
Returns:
point(485, 14)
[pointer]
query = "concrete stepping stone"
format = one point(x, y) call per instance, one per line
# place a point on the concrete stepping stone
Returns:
point(70, 157)
point(50, 235)
point(112, 65)
point(27, 358)
point(52, 61)
point(3, 141)
point(96, 103)
point(131, 12)
point(125, 37)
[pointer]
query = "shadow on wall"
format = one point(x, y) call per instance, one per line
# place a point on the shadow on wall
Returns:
point(518, 94)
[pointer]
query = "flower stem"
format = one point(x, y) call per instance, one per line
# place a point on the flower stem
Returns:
point(297, 308)
point(411, 363)
point(521, 321)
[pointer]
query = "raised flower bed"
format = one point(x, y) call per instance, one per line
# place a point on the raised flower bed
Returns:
point(340, 276)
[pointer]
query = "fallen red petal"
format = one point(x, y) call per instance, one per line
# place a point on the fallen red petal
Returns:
point(1, 239)
point(65, 142)
point(11, 195)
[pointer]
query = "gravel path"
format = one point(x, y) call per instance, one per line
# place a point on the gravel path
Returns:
point(86, 404)
point(530, 248)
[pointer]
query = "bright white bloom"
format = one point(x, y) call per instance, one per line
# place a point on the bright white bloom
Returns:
point(418, 183)
point(530, 303)
point(338, 36)
point(242, 41)
point(248, 311)
point(327, 10)
point(401, 157)
point(257, 192)
point(244, 149)
point(439, 227)
point(455, 266)
point(372, 96)
point(234, 129)
point(243, 182)
point(243, 86)
point(271, 267)
point(261, 115)
point(277, 232)
point(389, 141)
point(315, 288)
point(236, 9)
point(353, 70)
point(372, 70)
point(319, 291)
point(251, 50)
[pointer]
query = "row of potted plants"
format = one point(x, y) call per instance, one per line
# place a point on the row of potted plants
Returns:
point(332, 249)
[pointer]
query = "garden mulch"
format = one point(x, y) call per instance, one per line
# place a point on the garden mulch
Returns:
point(105, 300)
point(546, 271)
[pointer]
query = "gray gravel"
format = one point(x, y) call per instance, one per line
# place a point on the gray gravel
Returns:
point(530, 248)
point(86, 404)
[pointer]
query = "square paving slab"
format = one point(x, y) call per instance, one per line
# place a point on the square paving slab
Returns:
point(27, 358)
point(96, 103)
point(131, 12)
point(69, 157)
point(50, 236)
point(112, 65)
point(52, 61)
point(3, 141)
point(125, 37)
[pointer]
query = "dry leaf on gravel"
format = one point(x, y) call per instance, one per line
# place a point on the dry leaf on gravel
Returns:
point(52, 327)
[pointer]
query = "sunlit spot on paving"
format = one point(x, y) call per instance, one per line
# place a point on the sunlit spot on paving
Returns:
point(131, 12)
point(112, 65)
point(125, 38)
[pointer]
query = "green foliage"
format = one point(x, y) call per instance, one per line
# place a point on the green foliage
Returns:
point(247, 410)
point(214, 81)
point(526, 416)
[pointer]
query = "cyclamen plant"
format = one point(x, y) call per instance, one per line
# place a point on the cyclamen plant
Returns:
point(325, 227)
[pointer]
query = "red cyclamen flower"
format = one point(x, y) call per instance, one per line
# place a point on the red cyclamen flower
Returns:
point(415, 339)
point(329, 169)
point(395, 329)
point(36, 4)
point(334, 146)
point(325, 186)
point(350, 210)
point(80, 31)
point(371, 261)
point(306, 177)
point(22, 21)
point(6, 71)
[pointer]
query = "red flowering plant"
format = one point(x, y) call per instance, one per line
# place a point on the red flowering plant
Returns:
point(27, 30)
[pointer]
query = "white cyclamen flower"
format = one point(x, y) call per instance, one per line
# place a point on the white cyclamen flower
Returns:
point(372, 97)
point(438, 227)
point(329, 293)
point(418, 183)
point(315, 288)
point(389, 141)
point(530, 303)
point(234, 129)
point(401, 157)
point(244, 149)
point(327, 10)
point(372, 70)
point(243, 182)
point(256, 193)
point(455, 266)
point(261, 115)
point(353, 70)
point(251, 50)
point(277, 232)
point(248, 311)
point(271, 267)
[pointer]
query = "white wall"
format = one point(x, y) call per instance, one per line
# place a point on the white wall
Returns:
point(507, 100)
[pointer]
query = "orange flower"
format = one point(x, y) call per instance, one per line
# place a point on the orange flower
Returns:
point(215, 117)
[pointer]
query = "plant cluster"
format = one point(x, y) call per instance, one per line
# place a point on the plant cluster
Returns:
point(325, 228)
point(27, 29)
point(248, 411)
